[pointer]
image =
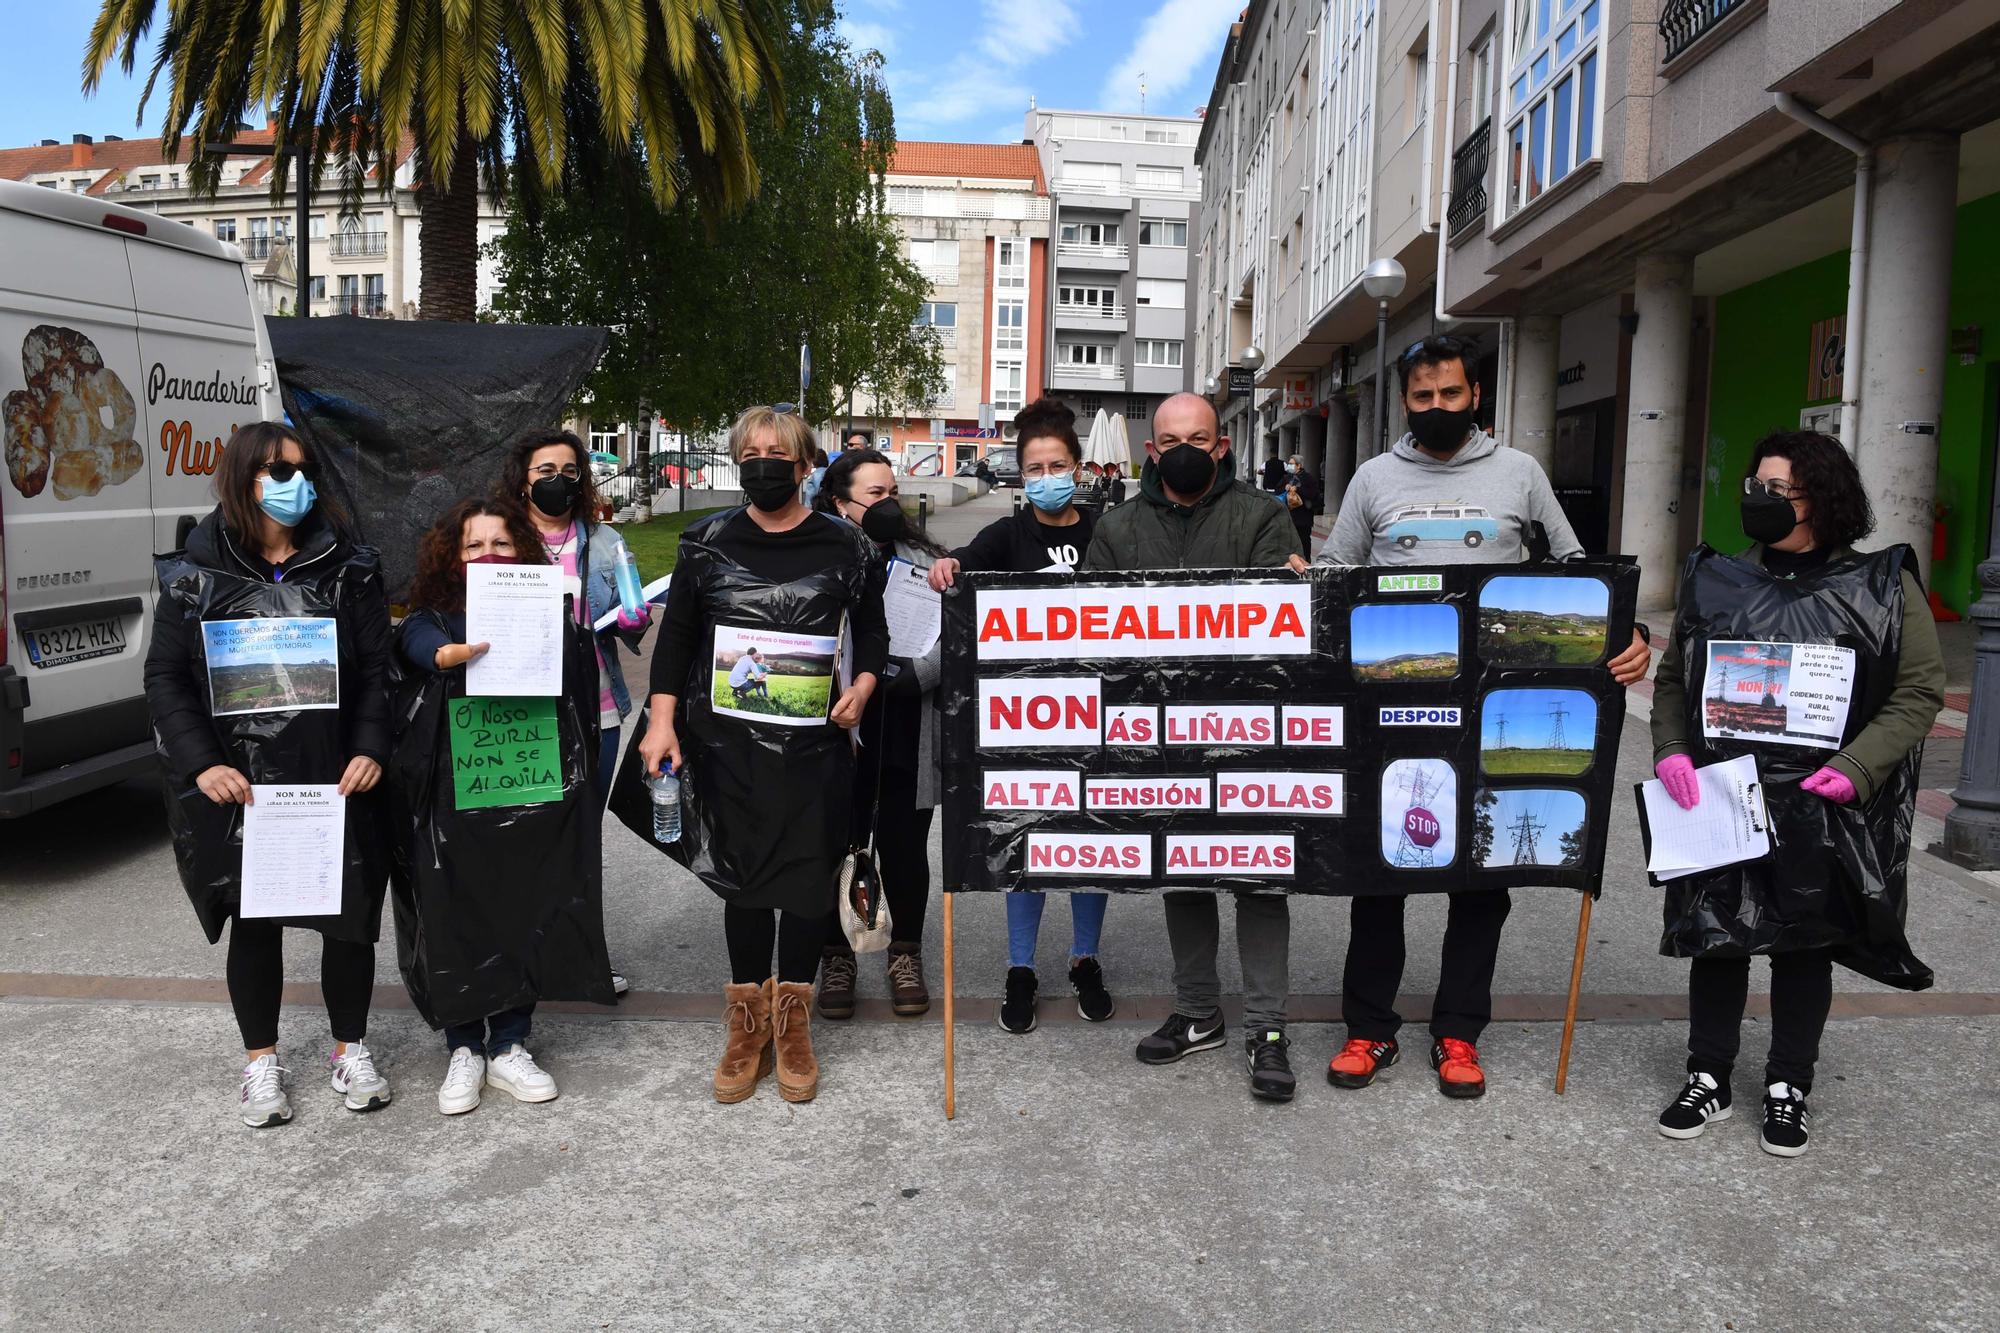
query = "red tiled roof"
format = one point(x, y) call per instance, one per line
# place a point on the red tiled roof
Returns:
point(256, 174)
point(1001, 161)
point(104, 182)
point(19, 163)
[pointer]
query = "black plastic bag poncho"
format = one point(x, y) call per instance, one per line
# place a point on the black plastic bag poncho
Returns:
point(765, 812)
point(302, 746)
point(1837, 877)
point(498, 906)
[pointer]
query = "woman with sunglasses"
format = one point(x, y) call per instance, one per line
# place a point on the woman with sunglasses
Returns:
point(766, 783)
point(898, 757)
point(1049, 532)
point(548, 473)
point(1823, 665)
point(275, 550)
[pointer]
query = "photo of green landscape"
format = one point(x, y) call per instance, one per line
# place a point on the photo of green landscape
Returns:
point(1529, 620)
point(1404, 641)
point(271, 665)
point(790, 696)
point(1538, 732)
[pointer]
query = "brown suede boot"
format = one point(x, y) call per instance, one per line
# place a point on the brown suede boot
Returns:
point(791, 1024)
point(748, 1056)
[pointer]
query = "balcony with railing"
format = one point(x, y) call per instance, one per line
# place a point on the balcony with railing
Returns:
point(1470, 162)
point(939, 275)
point(1685, 22)
point(368, 305)
point(1086, 374)
point(256, 247)
point(1106, 315)
point(360, 244)
point(1084, 254)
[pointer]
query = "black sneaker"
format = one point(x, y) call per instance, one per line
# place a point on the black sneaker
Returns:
point(1270, 1067)
point(1086, 978)
point(1785, 1117)
point(1179, 1036)
point(1703, 1102)
point(1017, 1011)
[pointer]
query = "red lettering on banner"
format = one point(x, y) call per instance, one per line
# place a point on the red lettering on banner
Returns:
point(1308, 730)
point(1213, 729)
point(1130, 730)
point(1228, 856)
point(1062, 623)
point(1083, 856)
point(1093, 621)
point(994, 627)
point(1215, 622)
point(1029, 795)
point(1286, 624)
point(1128, 624)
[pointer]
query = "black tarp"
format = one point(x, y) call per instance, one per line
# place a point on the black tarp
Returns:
point(1838, 874)
point(1408, 756)
point(412, 415)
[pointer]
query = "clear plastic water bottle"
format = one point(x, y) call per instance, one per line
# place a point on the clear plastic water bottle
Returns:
point(631, 597)
point(666, 807)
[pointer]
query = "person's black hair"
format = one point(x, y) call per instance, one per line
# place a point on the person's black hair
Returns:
point(513, 481)
point(838, 484)
point(819, 458)
point(1435, 350)
point(1048, 419)
point(1839, 508)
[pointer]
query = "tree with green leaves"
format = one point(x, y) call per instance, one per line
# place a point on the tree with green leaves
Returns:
point(707, 320)
point(667, 82)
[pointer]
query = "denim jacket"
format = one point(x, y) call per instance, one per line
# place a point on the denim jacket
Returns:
point(603, 549)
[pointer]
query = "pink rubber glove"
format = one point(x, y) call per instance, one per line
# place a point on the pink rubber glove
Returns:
point(626, 620)
point(1832, 784)
point(1676, 773)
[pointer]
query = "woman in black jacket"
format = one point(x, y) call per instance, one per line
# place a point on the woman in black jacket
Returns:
point(274, 550)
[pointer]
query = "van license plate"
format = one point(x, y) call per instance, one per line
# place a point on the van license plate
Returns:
point(86, 639)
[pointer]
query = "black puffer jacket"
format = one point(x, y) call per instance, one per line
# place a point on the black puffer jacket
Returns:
point(1234, 526)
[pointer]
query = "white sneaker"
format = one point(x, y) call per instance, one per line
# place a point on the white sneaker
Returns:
point(515, 1072)
point(263, 1101)
point(462, 1082)
point(355, 1077)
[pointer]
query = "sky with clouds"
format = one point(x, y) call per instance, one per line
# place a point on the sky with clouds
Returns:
point(960, 69)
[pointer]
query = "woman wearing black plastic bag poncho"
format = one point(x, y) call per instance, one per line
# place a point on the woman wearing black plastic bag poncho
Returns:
point(499, 883)
point(245, 688)
point(767, 775)
point(1822, 663)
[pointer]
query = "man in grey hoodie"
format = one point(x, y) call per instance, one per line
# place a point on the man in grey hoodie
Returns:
point(1446, 494)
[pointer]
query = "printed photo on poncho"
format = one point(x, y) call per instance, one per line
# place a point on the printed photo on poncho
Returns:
point(1419, 814)
point(1527, 620)
point(271, 665)
point(1528, 826)
point(1778, 693)
point(1404, 641)
point(772, 676)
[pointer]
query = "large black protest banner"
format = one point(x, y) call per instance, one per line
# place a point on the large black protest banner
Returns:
point(1349, 731)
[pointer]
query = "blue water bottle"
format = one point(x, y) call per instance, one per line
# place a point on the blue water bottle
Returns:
point(630, 595)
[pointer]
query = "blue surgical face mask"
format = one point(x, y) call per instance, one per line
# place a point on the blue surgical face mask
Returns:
point(288, 501)
point(1051, 494)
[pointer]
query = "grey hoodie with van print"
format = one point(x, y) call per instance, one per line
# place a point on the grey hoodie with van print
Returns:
point(1407, 508)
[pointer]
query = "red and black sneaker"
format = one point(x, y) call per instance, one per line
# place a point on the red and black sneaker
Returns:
point(1360, 1061)
point(1457, 1065)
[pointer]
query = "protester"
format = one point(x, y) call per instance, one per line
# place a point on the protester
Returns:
point(548, 472)
point(816, 477)
point(1115, 476)
point(1301, 495)
point(1192, 513)
point(766, 804)
point(274, 549)
point(1049, 532)
point(1836, 892)
point(1444, 459)
point(898, 756)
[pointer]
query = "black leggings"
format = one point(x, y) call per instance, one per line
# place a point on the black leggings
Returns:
point(755, 933)
point(1801, 995)
point(257, 982)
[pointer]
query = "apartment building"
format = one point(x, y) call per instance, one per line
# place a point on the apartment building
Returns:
point(975, 220)
point(365, 264)
point(1123, 190)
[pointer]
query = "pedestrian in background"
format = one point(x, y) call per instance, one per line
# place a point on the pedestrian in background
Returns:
point(1301, 496)
point(768, 803)
point(1836, 892)
point(273, 548)
point(1049, 532)
point(896, 769)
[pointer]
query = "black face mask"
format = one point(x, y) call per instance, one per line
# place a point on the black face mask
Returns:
point(770, 483)
point(1768, 519)
point(1187, 470)
point(555, 496)
point(1441, 430)
point(883, 521)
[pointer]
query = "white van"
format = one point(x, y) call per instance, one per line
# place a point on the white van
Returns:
point(130, 348)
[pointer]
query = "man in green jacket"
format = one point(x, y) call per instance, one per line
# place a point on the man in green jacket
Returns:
point(1192, 513)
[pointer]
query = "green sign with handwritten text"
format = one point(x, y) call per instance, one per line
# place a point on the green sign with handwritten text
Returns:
point(504, 751)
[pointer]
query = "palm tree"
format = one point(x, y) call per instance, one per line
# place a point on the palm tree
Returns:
point(565, 83)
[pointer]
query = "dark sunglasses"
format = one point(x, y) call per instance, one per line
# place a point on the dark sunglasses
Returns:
point(282, 470)
point(785, 409)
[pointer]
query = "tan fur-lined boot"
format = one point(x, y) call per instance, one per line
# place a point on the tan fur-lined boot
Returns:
point(748, 1055)
point(791, 1022)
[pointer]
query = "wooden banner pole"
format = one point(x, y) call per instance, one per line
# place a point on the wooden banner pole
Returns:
point(1575, 986)
point(950, 1019)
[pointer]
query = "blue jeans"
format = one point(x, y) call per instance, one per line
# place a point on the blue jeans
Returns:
point(1024, 924)
point(492, 1034)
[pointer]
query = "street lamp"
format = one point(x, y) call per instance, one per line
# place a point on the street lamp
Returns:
point(1213, 385)
point(1383, 279)
point(1252, 357)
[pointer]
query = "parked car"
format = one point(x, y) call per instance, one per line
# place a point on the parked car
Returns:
point(1004, 462)
point(1443, 523)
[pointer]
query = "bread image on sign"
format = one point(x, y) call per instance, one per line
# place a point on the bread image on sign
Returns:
point(72, 424)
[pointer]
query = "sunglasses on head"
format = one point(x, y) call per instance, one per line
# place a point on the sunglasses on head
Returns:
point(282, 470)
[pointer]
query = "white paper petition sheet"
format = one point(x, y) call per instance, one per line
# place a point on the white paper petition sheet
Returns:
point(913, 610)
point(1728, 826)
point(293, 850)
point(517, 609)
